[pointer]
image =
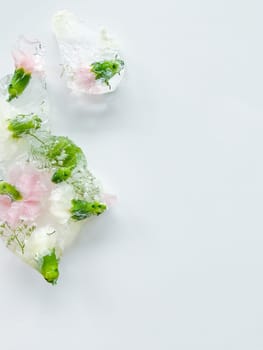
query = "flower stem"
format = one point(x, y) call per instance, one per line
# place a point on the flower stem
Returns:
point(21, 245)
point(38, 139)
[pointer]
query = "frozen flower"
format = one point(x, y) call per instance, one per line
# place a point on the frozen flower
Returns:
point(41, 242)
point(83, 52)
point(46, 190)
point(42, 254)
point(85, 79)
point(34, 187)
point(28, 60)
point(28, 55)
point(60, 202)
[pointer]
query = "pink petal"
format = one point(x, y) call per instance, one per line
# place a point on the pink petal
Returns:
point(14, 213)
point(109, 199)
point(29, 55)
point(23, 60)
point(30, 210)
point(84, 78)
point(5, 205)
point(35, 187)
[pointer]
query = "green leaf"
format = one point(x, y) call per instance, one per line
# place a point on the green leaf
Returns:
point(49, 267)
point(19, 82)
point(62, 174)
point(105, 70)
point(23, 124)
point(64, 155)
point(10, 191)
point(81, 209)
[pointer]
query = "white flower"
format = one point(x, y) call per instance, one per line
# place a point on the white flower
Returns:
point(42, 241)
point(60, 202)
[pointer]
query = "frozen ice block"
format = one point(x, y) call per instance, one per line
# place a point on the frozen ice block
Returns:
point(92, 61)
point(47, 191)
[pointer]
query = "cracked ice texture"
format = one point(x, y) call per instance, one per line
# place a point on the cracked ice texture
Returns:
point(80, 47)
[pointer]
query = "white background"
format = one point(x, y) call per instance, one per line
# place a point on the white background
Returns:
point(178, 263)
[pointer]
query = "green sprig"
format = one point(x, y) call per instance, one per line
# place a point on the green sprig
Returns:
point(81, 209)
point(24, 124)
point(18, 84)
point(63, 154)
point(10, 191)
point(105, 70)
point(49, 267)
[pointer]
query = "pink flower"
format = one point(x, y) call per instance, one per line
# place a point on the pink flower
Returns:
point(28, 56)
point(34, 185)
point(23, 61)
point(85, 80)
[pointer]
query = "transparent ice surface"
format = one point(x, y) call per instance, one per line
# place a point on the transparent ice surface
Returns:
point(34, 98)
point(80, 47)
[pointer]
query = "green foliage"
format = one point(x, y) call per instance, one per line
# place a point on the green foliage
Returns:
point(23, 124)
point(63, 154)
point(14, 237)
point(105, 70)
point(61, 174)
point(10, 191)
point(19, 82)
point(49, 267)
point(81, 209)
